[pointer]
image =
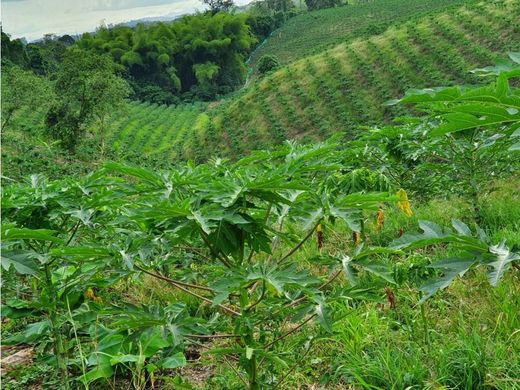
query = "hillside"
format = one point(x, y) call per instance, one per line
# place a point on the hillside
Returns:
point(148, 129)
point(347, 86)
point(347, 220)
point(312, 32)
point(337, 90)
point(141, 131)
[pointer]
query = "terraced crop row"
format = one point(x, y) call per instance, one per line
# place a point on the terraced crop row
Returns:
point(141, 129)
point(348, 85)
point(148, 129)
point(312, 32)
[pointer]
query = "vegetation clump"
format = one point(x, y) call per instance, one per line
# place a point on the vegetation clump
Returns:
point(148, 246)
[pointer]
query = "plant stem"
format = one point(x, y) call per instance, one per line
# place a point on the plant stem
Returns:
point(289, 333)
point(205, 238)
point(253, 381)
point(196, 286)
point(331, 279)
point(425, 326)
point(298, 362)
point(259, 299)
point(181, 287)
point(56, 332)
point(293, 250)
point(81, 356)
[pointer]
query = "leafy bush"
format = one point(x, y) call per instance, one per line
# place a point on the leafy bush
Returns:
point(267, 63)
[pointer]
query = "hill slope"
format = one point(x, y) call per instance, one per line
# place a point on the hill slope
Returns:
point(348, 85)
point(336, 90)
point(142, 131)
point(312, 32)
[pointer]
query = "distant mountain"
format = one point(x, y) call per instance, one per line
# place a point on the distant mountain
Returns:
point(165, 18)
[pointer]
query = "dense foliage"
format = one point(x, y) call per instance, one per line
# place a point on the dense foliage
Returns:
point(232, 235)
point(386, 257)
point(86, 88)
point(202, 55)
point(16, 83)
point(346, 87)
point(267, 64)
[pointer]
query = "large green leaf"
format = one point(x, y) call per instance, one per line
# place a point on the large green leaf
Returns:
point(11, 234)
point(140, 173)
point(22, 261)
point(174, 361)
point(451, 268)
point(152, 340)
point(81, 252)
point(433, 234)
point(279, 278)
point(33, 333)
point(323, 314)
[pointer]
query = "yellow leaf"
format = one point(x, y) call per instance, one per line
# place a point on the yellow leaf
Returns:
point(404, 203)
point(380, 218)
point(90, 294)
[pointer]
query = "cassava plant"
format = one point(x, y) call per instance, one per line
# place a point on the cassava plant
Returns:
point(472, 249)
point(232, 236)
point(55, 237)
point(471, 133)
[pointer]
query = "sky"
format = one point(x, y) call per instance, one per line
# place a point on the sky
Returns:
point(34, 18)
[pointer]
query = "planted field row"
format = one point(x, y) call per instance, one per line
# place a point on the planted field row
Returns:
point(346, 87)
point(312, 32)
point(148, 130)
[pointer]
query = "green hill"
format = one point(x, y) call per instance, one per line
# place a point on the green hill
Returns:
point(312, 32)
point(336, 90)
point(347, 86)
point(149, 129)
point(141, 131)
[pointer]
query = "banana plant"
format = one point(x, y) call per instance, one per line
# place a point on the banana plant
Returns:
point(473, 250)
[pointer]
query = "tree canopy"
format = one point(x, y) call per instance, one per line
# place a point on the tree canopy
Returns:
point(87, 87)
point(21, 88)
point(200, 54)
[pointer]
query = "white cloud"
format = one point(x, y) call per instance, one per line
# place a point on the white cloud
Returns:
point(100, 5)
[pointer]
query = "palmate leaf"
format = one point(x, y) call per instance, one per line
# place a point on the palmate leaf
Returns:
point(504, 67)
point(503, 257)
point(322, 312)
point(451, 268)
point(460, 109)
point(360, 261)
point(21, 261)
point(352, 217)
point(474, 251)
point(140, 173)
point(280, 278)
point(350, 271)
point(377, 268)
point(474, 116)
point(433, 234)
